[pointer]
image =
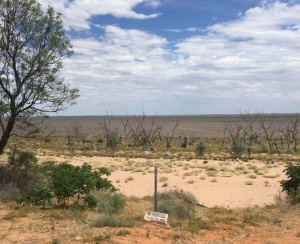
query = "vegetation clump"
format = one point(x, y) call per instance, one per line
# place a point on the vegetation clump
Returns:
point(291, 186)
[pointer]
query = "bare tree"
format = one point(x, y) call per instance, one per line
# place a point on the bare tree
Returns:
point(289, 131)
point(168, 137)
point(146, 131)
point(126, 130)
point(268, 127)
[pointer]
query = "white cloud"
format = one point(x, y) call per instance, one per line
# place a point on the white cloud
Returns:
point(256, 56)
point(153, 3)
point(77, 13)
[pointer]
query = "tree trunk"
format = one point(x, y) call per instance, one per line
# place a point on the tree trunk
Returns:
point(7, 133)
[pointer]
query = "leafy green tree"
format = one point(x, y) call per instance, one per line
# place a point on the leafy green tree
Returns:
point(32, 46)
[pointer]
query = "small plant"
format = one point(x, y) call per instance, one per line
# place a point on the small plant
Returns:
point(164, 184)
point(113, 141)
point(129, 178)
point(55, 241)
point(201, 148)
point(112, 221)
point(291, 186)
point(115, 204)
point(163, 179)
point(100, 238)
point(237, 147)
point(249, 182)
point(175, 210)
point(178, 195)
point(123, 233)
point(90, 200)
point(191, 182)
point(37, 195)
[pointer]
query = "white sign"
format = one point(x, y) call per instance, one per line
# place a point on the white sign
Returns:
point(155, 216)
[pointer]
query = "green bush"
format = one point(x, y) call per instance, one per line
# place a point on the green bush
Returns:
point(116, 203)
point(110, 203)
point(291, 186)
point(91, 201)
point(66, 180)
point(178, 195)
point(37, 195)
point(113, 141)
point(176, 210)
point(237, 147)
point(21, 170)
point(201, 148)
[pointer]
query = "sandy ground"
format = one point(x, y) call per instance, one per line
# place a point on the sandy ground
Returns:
point(231, 186)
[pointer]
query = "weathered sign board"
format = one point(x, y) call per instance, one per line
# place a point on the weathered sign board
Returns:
point(157, 217)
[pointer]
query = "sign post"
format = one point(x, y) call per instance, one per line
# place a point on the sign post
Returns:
point(155, 188)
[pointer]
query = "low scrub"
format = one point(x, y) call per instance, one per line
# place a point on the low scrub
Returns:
point(108, 220)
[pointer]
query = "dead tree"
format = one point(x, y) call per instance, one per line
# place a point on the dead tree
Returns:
point(168, 138)
point(289, 130)
point(126, 130)
point(268, 127)
point(146, 131)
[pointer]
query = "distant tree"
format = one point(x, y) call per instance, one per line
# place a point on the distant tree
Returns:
point(32, 46)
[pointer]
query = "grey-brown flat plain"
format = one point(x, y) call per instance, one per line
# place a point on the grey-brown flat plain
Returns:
point(209, 126)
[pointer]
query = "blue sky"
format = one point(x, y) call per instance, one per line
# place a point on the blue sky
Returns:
point(182, 57)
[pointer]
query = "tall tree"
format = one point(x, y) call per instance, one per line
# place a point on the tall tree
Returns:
point(33, 44)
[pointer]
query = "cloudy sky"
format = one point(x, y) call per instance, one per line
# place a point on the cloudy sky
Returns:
point(182, 56)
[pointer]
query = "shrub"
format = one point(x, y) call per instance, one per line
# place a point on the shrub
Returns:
point(8, 192)
point(112, 221)
point(90, 200)
point(67, 180)
point(37, 195)
point(175, 210)
point(21, 169)
point(179, 195)
point(201, 148)
point(237, 147)
point(291, 186)
point(110, 203)
point(113, 141)
point(115, 204)
point(184, 142)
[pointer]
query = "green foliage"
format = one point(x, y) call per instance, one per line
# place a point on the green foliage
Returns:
point(37, 195)
point(115, 204)
point(201, 148)
point(176, 210)
point(91, 201)
point(292, 185)
point(237, 147)
point(21, 170)
point(113, 141)
point(110, 203)
point(178, 195)
point(33, 45)
point(67, 180)
point(184, 142)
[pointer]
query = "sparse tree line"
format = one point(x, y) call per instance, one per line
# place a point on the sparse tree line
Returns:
point(261, 133)
point(139, 131)
point(250, 133)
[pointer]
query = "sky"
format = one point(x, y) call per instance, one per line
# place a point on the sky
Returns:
point(182, 57)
